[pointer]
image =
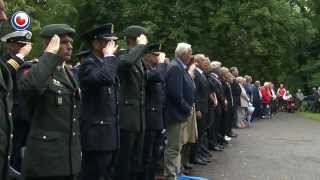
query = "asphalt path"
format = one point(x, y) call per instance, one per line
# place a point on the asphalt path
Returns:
point(287, 147)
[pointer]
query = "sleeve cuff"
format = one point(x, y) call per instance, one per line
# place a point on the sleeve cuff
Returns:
point(20, 56)
point(108, 55)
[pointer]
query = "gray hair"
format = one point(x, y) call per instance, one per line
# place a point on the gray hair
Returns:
point(216, 64)
point(182, 48)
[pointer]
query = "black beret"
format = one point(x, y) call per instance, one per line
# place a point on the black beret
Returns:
point(59, 29)
point(156, 47)
point(17, 36)
point(134, 31)
point(103, 31)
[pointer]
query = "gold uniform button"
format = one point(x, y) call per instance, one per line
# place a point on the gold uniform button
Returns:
point(44, 137)
point(101, 122)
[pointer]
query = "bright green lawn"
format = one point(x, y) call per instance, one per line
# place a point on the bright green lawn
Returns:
point(309, 115)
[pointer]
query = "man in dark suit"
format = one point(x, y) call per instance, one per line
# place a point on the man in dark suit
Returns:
point(99, 111)
point(201, 101)
point(216, 88)
point(155, 92)
point(53, 145)
point(132, 104)
point(180, 90)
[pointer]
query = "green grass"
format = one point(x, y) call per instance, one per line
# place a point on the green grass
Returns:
point(309, 115)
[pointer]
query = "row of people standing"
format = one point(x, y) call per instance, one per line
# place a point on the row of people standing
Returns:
point(73, 130)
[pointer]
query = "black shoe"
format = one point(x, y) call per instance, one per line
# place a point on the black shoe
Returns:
point(204, 159)
point(204, 148)
point(209, 155)
point(232, 134)
point(198, 161)
point(220, 146)
point(204, 154)
point(217, 148)
point(187, 166)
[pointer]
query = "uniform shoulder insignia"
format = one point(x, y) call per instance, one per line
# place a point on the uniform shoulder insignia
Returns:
point(13, 63)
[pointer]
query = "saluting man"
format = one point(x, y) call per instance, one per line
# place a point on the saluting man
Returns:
point(155, 98)
point(132, 104)
point(99, 111)
point(53, 145)
point(18, 45)
point(8, 67)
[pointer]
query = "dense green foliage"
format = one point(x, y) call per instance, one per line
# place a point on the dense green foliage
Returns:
point(275, 40)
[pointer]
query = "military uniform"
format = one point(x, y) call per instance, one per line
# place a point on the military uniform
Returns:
point(8, 67)
point(6, 125)
point(155, 99)
point(99, 111)
point(20, 110)
point(53, 145)
point(131, 109)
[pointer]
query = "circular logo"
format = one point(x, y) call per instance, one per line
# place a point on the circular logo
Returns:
point(20, 21)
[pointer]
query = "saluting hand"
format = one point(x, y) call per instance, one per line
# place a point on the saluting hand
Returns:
point(142, 40)
point(25, 50)
point(161, 58)
point(54, 45)
point(110, 49)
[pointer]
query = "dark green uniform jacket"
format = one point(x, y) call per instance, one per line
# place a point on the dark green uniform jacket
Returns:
point(53, 145)
point(132, 90)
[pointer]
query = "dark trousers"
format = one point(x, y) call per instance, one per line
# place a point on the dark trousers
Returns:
point(52, 178)
point(257, 111)
point(129, 161)
point(211, 122)
point(20, 132)
point(202, 125)
point(234, 116)
point(216, 126)
point(227, 121)
point(151, 153)
point(97, 165)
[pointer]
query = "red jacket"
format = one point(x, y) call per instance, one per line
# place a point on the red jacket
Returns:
point(266, 95)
